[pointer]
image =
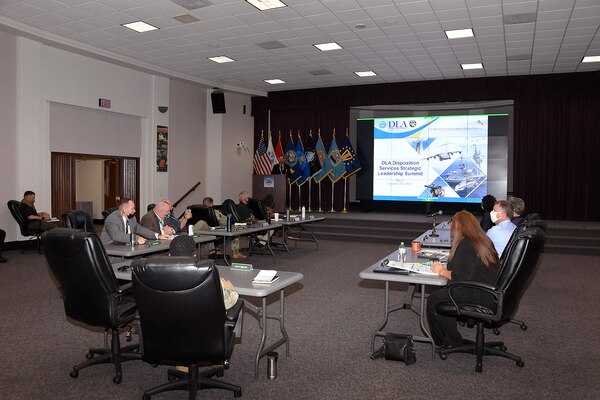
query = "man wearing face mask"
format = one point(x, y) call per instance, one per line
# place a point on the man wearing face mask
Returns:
point(118, 226)
point(501, 232)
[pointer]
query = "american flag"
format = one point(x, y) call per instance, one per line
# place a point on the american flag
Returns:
point(262, 163)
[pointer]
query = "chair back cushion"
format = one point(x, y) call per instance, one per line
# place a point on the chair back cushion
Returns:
point(258, 208)
point(181, 310)
point(13, 207)
point(203, 213)
point(229, 207)
point(78, 219)
point(518, 267)
point(79, 263)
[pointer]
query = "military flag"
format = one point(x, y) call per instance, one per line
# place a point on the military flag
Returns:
point(279, 148)
point(302, 164)
point(291, 160)
point(323, 160)
point(338, 169)
point(271, 152)
point(311, 157)
point(351, 163)
point(261, 162)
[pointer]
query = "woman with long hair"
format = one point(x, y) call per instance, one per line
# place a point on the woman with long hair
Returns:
point(472, 258)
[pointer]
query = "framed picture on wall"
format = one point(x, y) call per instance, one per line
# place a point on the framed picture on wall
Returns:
point(162, 147)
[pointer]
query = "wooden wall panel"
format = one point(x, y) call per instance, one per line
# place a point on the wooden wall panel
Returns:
point(63, 183)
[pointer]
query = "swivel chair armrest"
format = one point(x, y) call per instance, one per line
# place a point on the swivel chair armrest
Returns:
point(474, 286)
point(233, 313)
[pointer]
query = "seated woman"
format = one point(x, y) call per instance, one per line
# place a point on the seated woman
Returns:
point(472, 258)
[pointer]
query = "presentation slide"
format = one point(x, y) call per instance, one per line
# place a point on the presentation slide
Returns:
point(432, 158)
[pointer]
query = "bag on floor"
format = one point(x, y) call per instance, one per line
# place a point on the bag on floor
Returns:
point(397, 347)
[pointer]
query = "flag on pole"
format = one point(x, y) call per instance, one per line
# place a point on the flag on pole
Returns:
point(323, 160)
point(271, 152)
point(291, 160)
point(313, 161)
point(262, 163)
point(302, 164)
point(279, 148)
point(338, 169)
point(351, 163)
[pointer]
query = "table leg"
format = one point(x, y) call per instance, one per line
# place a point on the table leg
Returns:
point(225, 247)
point(385, 317)
point(422, 322)
point(263, 337)
point(282, 323)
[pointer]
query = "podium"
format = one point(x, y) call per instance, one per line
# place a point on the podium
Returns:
point(275, 185)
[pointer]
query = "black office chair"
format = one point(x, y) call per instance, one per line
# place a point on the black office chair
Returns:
point(258, 208)
point(108, 211)
point(150, 207)
point(229, 207)
point(91, 293)
point(514, 275)
point(184, 322)
point(25, 226)
point(203, 213)
point(78, 219)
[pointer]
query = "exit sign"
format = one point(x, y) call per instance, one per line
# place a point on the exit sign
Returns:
point(105, 103)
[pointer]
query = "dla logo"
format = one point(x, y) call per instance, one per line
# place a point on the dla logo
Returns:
point(412, 123)
point(382, 124)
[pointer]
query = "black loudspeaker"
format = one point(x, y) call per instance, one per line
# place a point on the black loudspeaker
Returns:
point(218, 102)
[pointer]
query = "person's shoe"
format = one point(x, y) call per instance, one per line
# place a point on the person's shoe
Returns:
point(238, 256)
point(3, 259)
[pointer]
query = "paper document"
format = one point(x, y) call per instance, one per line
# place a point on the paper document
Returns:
point(419, 268)
point(266, 276)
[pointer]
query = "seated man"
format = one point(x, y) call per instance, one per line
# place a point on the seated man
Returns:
point(244, 212)
point(518, 206)
point(201, 225)
point(28, 211)
point(180, 225)
point(118, 226)
point(155, 219)
point(501, 232)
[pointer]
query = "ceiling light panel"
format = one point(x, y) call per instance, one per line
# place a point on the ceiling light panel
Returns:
point(274, 81)
point(364, 74)
point(221, 59)
point(472, 66)
point(328, 46)
point(140, 26)
point(459, 33)
point(263, 5)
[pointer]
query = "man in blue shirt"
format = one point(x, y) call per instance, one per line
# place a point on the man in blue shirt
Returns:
point(501, 232)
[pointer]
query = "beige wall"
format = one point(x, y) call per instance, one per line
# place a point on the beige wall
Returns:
point(8, 161)
point(89, 187)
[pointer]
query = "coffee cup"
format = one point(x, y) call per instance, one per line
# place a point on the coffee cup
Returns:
point(276, 216)
point(416, 246)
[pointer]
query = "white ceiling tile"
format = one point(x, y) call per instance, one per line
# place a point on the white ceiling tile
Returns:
point(483, 22)
point(546, 5)
point(455, 24)
point(415, 7)
point(519, 8)
point(485, 11)
point(387, 11)
point(553, 34)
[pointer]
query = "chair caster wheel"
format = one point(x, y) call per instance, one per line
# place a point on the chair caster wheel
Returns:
point(220, 374)
point(520, 363)
point(502, 348)
point(523, 327)
point(237, 393)
point(496, 331)
point(117, 379)
point(443, 356)
point(74, 373)
point(89, 356)
point(145, 397)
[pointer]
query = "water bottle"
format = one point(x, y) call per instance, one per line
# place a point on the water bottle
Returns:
point(401, 252)
point(132, 239)
point(303, 212)
point(287, 214)
point(190, 230)
point(229, 223)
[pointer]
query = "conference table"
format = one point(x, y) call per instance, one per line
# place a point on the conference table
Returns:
point(301, 223)
point(125, 251)
point(442, 240)
point(242, 281)
point(241, 230)
point(412, 279)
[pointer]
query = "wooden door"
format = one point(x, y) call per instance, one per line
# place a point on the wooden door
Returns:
point(112, 183)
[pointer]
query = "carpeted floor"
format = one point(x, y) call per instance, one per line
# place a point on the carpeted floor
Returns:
point(330, 316)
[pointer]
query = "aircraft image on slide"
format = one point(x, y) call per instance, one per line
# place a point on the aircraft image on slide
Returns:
point(443, 151)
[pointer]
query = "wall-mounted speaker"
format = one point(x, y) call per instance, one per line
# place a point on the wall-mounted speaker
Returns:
point(218, 102)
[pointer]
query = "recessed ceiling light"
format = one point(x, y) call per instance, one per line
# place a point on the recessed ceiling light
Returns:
point(472, 66)
point(459, 33)
point(221, 59)
point(140, 26)
point(274, 81)
point(263, 5)
point(365, 73)
point(587, 59)
point(328, 46)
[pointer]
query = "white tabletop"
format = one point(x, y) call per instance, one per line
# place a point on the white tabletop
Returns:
point(413, 277)
point(241, 230)
point(126, 250)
